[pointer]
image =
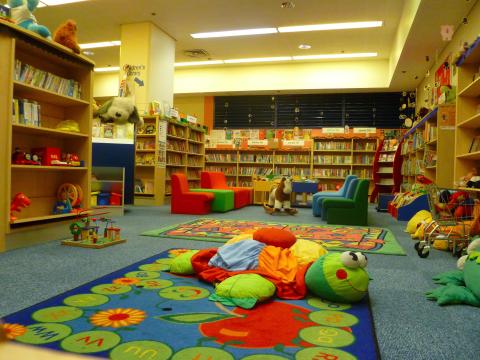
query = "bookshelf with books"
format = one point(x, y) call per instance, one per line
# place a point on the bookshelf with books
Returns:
point(467, 124)
point(42, 84)
point(387, 165)
point(195, 154)
point(149, 177)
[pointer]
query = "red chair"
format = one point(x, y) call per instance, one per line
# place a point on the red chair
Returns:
point(217, 180)
point(186, 202)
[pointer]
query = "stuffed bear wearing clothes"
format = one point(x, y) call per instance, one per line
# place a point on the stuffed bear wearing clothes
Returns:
point(22, 14)
point(66, 34)
point(120, 110)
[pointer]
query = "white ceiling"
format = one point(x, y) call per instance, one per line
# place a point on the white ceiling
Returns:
point(100, 20)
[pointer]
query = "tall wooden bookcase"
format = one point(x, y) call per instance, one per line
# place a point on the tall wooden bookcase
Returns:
point(467, 128)
point(40, 183)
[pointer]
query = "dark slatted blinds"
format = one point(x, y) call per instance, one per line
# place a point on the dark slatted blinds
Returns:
point(309, 111)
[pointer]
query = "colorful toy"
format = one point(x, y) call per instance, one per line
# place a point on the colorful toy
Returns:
point(22, 15)
point(85, 232)
point(460, 205)
point(461, 286)
point(280, 198)
point(21, 157)
point(248, 271)
point(19, 202)
point(69, 197)
point(66, 35)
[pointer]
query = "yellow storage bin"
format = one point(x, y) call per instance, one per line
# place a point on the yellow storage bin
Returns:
point(93, 198)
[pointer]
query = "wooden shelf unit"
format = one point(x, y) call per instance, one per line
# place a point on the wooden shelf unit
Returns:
point(40, 183)
point(467, 126)
point(239, 164)
point(109, 180)
point(149, 178)
point(386, 168)
point(434, 158)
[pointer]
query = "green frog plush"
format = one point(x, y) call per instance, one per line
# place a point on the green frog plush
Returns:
point(460, 286)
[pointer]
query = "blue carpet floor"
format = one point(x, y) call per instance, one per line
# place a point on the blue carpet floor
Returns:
point(407, 325)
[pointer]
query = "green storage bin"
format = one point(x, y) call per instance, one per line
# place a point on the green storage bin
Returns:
point(223, 201)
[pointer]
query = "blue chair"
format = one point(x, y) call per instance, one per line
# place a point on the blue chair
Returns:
point(352, 187)
point(316, 203)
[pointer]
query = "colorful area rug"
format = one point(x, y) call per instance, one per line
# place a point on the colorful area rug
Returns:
point(333, 237)
point(142, 313)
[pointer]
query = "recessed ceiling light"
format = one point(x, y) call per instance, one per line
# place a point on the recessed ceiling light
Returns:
point(107, 69)
point(304, 46)
point(251, 60)
point(334, 26)
point(100, 44)
point(43, 3)
point(197, 63)
point(228, 33)
point(334, 56)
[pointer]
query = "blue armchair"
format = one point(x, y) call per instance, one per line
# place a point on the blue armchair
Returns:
point(342, 192)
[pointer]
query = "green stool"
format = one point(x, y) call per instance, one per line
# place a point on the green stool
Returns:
point(223, 200)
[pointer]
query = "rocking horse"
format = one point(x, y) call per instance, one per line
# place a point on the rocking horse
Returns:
point(280, 198)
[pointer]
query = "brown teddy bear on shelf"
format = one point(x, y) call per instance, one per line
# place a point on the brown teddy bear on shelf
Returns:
point(66, 34)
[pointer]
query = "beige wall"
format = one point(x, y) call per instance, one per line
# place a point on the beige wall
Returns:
point(464, 33)
point(191, 105)
point(105, 85)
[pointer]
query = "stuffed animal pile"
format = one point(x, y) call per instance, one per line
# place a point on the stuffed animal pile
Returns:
point(253, 268)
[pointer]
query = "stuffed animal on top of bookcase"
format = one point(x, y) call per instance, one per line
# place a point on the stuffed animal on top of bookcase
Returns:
point(22, 15)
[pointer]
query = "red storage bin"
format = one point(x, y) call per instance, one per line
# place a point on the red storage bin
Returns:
point(50, 156)
point(115, 199)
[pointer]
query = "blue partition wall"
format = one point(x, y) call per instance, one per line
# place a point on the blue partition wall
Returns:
point(118, 155)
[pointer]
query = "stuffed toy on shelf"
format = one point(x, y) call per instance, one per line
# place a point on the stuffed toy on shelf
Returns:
point(22, 15)
point(66, 35)
point(119, 110)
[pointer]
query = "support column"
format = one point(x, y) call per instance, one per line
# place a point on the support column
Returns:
point(151, 56)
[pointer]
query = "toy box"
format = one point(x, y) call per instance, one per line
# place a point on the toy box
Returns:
point(115, 199)
point(103, 198)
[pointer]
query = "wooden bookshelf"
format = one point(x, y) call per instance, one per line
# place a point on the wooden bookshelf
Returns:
point(40, 183)
point(387, 163)
point(467, 125)
point(149, 174)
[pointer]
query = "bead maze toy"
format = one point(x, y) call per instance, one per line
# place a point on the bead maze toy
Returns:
point(86, 232)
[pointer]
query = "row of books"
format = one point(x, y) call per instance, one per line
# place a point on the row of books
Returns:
point(176, 130)
point(196, 136)
point(145, 144)
point(145, 159)
point(293, 171)
point(26, 112)
point(430, 132)
point(430, 158)
point(340, 173)
point(413, 167)
point(363, 173)
point(176, 145)
point(255, 170)
point(363, 159)
point(194, 148)
point(195, 161)
point(193, 174)
point(365, 146)
point(332, 159)
point(291, 158)
point(386, 157)
point(221, 157)
point(259, 158)
point(390, 145)
point(174, 159)
point(332, 145)
point(43, 79)
point(231, 171)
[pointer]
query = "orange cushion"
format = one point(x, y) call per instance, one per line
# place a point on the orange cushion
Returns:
point(275, 237)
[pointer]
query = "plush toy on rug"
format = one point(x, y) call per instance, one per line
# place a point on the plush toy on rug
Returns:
point(280, 198)
point(460, 286)
point(271, 261)
point(22, 14)
point(120, 110)
point(66, 35)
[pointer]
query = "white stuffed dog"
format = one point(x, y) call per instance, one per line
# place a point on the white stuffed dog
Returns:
point(119, 110)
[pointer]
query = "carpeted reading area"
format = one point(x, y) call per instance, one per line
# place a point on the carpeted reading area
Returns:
point(141, 309)
point(333, 237)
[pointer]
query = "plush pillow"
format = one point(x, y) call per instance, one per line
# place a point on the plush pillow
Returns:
point(275, 237)
point(244, 290)
point(307, 251)
point(416, 220)
point(182, 264)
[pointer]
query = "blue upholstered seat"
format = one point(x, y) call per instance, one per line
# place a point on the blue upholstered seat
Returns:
point(352, 187)
point(317, 202)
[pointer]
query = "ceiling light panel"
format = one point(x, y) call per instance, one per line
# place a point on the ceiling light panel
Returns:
point(334, 26)
point(43, 3)
point(253, 60)
point(335, 56)
point(100, 44)
point(228, 33)
point(107, 69)
point(199, 63)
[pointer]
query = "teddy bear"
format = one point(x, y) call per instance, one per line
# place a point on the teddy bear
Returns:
point(22, 15)
point(66, 35)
